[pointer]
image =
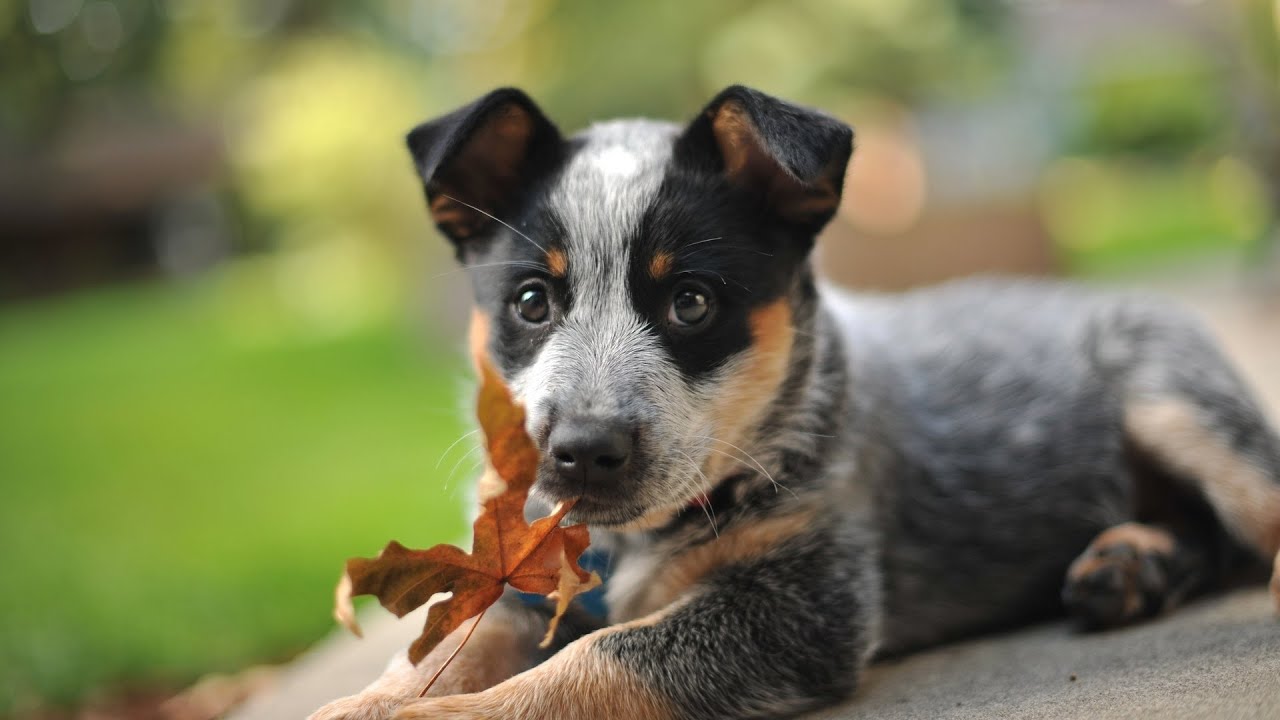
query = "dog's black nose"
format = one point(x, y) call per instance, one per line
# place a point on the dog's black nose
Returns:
point(591, 450)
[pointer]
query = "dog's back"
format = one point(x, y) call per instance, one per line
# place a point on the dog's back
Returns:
point(1008, 452)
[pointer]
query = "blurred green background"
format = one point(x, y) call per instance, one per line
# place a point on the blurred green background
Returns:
point(227, 331)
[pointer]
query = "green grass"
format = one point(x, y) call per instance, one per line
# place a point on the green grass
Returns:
point(178, 498)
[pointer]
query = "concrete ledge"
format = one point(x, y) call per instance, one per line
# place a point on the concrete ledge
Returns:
point(1218, 658)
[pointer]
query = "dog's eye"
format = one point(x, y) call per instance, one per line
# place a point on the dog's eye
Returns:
point(532, 304)
point(689, 306)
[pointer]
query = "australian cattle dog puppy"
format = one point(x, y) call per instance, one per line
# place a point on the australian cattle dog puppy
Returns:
point(790, 480)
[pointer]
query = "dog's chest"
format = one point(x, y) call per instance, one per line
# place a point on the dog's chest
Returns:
point(635, 586)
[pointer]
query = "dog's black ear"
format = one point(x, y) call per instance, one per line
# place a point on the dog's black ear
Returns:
point(477, 160)
point(792, 158)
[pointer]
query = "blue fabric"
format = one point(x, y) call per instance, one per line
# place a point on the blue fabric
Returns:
point(592, 602)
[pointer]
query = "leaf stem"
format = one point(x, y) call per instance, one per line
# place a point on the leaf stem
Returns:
point(453, 654)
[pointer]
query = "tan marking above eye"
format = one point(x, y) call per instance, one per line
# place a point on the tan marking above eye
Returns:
point(660, 265)
point(557, 262)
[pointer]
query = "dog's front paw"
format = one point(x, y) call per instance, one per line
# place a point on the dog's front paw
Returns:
point(365, 706)
point(455, 707)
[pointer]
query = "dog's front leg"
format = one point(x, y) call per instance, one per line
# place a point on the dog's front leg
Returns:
point(504, 643)
point(782, 634)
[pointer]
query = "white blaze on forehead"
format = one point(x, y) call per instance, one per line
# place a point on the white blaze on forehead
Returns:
point(600, 199)
point(617, 161)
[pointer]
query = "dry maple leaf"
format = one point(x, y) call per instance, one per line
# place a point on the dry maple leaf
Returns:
point(541, 557)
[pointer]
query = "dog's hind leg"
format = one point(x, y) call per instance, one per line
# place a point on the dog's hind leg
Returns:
point(1200, 440)
point(1232, 460)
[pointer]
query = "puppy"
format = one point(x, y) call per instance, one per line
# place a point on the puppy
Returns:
point(789, 480)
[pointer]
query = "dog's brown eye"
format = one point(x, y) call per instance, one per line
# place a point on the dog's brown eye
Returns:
point(532, 304)
point(689, 306)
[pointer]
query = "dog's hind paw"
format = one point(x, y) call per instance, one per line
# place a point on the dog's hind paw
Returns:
point(1122, 576)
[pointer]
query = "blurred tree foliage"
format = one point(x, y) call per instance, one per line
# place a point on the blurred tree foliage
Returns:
point(1260, 26)
point(1160, 100)
point(311, 99)
point(661, 56)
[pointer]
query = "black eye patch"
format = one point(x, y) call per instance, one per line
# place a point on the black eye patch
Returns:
point(503, 273)
point(699, 233)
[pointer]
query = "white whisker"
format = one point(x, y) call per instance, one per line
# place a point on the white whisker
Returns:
point(706, 508)
point(454, 445)
point(519, 263)
point(723, 279)
point(449, 478)
point(776, 484)
point(721, 237)
point(748, 456)
point(491, 217)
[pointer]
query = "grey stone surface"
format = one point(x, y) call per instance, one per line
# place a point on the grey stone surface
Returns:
point(339, 665)
point(1219, 658)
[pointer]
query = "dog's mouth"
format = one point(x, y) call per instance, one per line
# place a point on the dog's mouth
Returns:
point(604, 508)
point(604, 513)
point(593, 506)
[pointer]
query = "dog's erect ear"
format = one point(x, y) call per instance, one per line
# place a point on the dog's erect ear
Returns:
point(476, 160)
point(793, 158)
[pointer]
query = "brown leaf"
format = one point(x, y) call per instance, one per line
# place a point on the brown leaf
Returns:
point(570, 586)
point(541, 557)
